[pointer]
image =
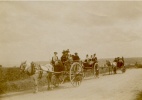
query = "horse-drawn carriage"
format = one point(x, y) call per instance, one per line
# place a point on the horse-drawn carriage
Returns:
point(120, 65)
point(55, 75)
point(117, 64)
point(91, 67)
point(69, 70)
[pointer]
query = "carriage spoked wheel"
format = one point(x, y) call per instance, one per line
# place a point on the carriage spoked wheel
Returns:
point(76, 74)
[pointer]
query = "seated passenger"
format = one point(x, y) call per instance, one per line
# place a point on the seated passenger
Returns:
point(86, 62)
point(59, 67)
point(54, 58)
point(94, 58)
point(76, 57)
point(91, 58)
point(87, 58)
point(64, 57)
point(70, 58)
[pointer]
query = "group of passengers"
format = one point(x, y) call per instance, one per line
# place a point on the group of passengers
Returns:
point(91, 58)
point(90, 61)
point(119, 61)
point(66, 56)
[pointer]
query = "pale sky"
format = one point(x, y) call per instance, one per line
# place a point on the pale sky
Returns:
point(32, 31)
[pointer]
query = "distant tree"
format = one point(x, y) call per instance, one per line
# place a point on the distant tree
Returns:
point(0, 65)
point(136, 64)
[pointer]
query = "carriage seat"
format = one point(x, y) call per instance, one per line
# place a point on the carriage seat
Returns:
point(88, 65)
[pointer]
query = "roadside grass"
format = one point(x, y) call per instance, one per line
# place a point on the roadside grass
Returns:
point(139, 66)
point(11, 80)
point(139, 96)
point(20, 85)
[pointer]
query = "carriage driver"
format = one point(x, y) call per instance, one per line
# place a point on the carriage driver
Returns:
point(123, 61)
point(87, 58)
point(86, 61)
point(54, 58)
point(64, 57)
point(94, 58)
point(76, 57)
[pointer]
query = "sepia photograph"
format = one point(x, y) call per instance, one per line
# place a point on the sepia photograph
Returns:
point(70, 50)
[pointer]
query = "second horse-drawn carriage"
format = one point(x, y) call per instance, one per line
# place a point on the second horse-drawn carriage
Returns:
point(90, 68)
point(117, 64)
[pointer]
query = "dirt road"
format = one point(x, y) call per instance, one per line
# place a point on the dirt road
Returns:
point(108, 87)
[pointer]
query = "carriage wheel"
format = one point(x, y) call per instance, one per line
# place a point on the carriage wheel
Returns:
point(76, 74)
point(55, 81)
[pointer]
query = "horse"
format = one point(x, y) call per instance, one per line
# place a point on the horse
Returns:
point(36, 72)
point(118, 65)
point(109, 66)
point(114, 66)
point(96, 69)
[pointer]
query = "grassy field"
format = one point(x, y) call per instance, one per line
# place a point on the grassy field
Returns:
point(8, 77)
point(12, 80)
point(139, 96)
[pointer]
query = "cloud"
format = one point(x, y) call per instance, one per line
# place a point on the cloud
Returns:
point(34, 30)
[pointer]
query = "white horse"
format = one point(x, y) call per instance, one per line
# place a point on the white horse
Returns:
point(114, 66)
point(96, 65)
point(36, 72)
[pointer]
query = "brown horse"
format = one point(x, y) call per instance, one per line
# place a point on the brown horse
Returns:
point(109, 66)
point(36, 72)
point(96, 69)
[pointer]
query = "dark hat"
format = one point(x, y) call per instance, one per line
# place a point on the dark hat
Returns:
point(55, 52)
point(68, 50)
point(63, 51)
point(94, 53)
point(75, 53)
